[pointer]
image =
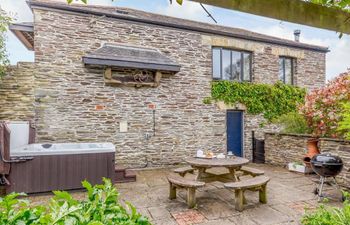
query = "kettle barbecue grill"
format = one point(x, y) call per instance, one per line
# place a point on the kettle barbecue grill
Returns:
point(326, 166)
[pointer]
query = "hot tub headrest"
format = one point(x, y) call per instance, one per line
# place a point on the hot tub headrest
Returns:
point(22, 133)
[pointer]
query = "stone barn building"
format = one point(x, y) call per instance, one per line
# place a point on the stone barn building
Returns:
point(138, 80)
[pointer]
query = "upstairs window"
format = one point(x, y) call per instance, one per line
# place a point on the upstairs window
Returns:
point(231, 65)
point(286, 70)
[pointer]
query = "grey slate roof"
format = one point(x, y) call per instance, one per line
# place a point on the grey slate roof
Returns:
point(130, 57)
point(166, 21)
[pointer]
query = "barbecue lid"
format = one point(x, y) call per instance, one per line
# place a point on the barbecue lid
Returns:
point(326, 158)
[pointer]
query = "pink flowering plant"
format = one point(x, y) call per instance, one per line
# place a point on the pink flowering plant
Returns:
point(323, 107)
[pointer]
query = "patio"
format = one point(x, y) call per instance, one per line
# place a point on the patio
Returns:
point(288, 195)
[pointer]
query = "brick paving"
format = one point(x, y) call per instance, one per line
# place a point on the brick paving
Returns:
point(289, 194)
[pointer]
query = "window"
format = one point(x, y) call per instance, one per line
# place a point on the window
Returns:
point(231, 65)
point(286, 70)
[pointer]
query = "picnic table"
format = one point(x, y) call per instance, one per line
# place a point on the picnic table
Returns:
point(231, 164)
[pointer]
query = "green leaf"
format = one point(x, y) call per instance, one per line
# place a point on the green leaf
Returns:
point(89, 188)
point(179, 2)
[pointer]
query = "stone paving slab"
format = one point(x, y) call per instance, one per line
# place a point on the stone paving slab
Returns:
point(288, 195)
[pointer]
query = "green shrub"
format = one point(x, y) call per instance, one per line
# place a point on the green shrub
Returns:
point(344, 124)
point(270, 100)
point(329, 215)
point(100, 208)
point(294, 123)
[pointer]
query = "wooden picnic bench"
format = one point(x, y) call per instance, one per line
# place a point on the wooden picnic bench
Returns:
point(257, 183)
point(177, 181)
point(183, 170)
point(250, 171)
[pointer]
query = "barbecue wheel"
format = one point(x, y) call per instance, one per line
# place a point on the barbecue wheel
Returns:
point(343, 197)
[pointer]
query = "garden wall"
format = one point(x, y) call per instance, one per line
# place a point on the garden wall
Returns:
point(281, 149)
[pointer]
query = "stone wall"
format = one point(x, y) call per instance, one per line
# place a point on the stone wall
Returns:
point(281, 149)
point(72, 103)
point(17, 93)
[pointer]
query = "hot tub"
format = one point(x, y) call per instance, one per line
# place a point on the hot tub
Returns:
point(59, 166)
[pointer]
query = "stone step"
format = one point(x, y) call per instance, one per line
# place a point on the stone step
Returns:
point(123, 175)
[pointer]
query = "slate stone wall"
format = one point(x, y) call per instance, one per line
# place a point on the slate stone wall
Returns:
point(280, 149)
point(72, 103)
point(17, 93)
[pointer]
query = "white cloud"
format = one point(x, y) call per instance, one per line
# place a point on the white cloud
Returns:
point(188, 10)
point(337, 59)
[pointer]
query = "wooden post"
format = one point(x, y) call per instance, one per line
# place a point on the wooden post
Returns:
point(157, 78)
point(263, 194)
point(191, 197)
point(172, 191)
point(239, 196)
point(108, 73)
point(244, 199)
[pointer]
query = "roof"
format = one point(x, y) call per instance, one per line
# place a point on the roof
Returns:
point(25, 33)
point(131, 57)
point(166, 21)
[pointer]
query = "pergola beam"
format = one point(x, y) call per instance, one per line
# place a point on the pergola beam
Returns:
point(295, 11)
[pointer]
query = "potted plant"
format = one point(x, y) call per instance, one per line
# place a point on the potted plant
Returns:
point(322, 111)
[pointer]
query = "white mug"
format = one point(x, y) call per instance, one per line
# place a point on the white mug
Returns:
point(200, 153)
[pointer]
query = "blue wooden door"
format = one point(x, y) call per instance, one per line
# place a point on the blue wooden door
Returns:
point(234, 123)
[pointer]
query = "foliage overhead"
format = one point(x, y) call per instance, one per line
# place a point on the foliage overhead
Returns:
point(4, 22)
point(270, 100)
point(323, 107)
point(344, 124)
point(100, 208)
point(86, 1)
point(340, 4)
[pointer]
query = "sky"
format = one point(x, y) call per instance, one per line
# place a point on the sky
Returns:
point(338, 60)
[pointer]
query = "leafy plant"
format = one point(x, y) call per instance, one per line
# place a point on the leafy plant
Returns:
point(344, 124)
point(329, 215)
point(323, 107)
point(4, 22)
point(270, 100)
point(294, 123)
point(100, 208)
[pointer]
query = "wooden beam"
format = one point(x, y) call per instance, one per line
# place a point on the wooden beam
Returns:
point(23, 39)
point(295, 11)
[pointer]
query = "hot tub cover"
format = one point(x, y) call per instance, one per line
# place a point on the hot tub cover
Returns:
point(130, 57)
point(39, 149)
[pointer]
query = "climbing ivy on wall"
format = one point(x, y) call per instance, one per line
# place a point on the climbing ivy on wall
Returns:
point(270, 100)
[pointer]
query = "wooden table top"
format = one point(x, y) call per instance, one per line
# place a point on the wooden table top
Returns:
point(227, 162)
